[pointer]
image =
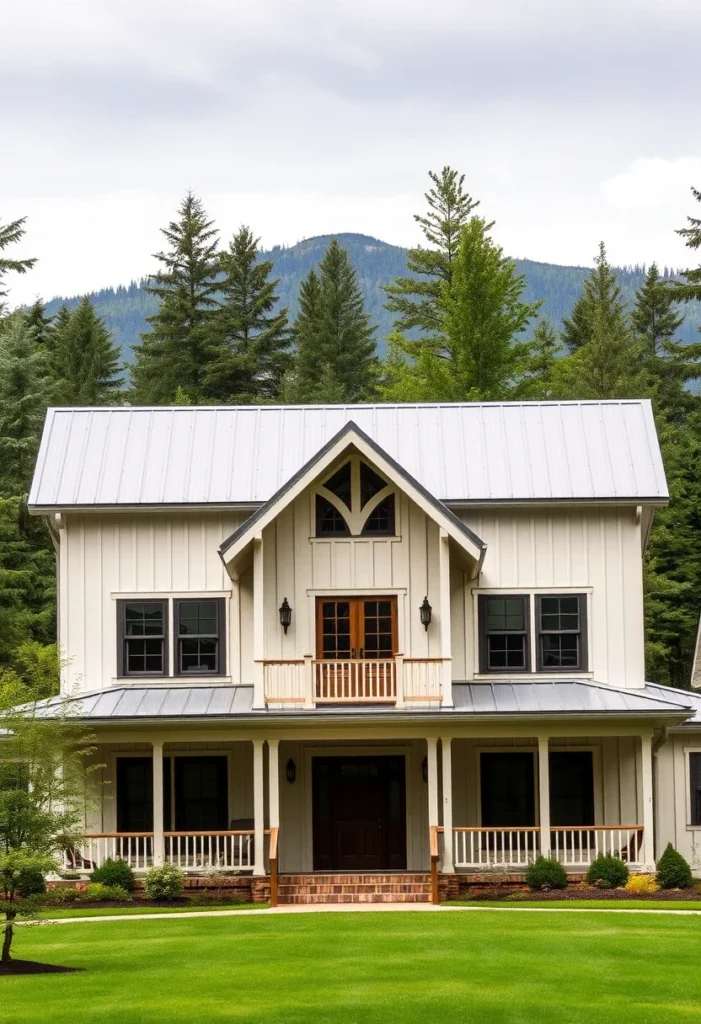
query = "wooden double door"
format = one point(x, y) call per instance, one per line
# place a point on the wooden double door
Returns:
point(359, 813)
point(356, 627)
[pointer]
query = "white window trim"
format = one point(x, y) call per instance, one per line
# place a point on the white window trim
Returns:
point(532, 593)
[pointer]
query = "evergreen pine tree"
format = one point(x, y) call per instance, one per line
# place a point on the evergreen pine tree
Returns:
point(544, 349)
point(83, 359)
point(481, 316)
point(691, 289)
point(608, 365)
point(415, 299)
point(600, 301)
point(176, 351)
point(27, 581)
point(10, 234)
point(333, 336)
point(23, 401)
point(250, 364)
point(39, 322)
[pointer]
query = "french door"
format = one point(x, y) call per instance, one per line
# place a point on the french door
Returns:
point(356, 627)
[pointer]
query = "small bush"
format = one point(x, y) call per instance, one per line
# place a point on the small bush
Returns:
point(62, 894)
point(642, 885)
point(165, 882)
point(607, 873)
point(114, 872)
point(98, 892)
point(673, 872)
point(31, 882)
point(546, 873)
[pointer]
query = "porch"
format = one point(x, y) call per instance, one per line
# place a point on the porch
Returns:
point(375, 804)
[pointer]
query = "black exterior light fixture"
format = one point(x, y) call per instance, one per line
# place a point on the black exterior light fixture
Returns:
point(291, 771)
point(285, 614)
point(425, 612)
point(424, 769)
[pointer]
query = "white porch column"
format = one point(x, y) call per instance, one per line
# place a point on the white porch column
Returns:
point(274, 783)
point(648, 853)
point(157, 769)
point(258, 809)
point(258, 624)
point(544, 793)
point(432, 755)
point(447, 765)
point(444, 618)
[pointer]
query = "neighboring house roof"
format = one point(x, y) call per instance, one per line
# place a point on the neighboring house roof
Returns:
point(352, 436)
point(462, 453)
point(573, 698)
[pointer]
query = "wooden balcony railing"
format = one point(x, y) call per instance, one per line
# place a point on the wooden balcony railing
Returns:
point(136, 848)
point(575, 847)
point(578, 847)
point(309, 681)
point(495, 847)
point(208, 851)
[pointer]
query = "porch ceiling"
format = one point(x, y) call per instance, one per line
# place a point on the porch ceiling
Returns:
point(573, 699)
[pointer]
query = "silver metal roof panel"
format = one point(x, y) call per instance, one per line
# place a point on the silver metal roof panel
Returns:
point(467, 452)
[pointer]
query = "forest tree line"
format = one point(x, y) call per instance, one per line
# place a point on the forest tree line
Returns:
point(463, 331)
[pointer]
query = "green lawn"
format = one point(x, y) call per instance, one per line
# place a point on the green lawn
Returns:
point(582, 904)
point(70, 910)
point(394, 968)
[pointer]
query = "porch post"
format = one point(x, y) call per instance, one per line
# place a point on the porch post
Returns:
point(544, 793)
point(444, 619)
point(447, 765)
point(432, 747)
point(157, 769)
point(258, 809)
point(258, 624)
point(648, 858)
point(274, 783)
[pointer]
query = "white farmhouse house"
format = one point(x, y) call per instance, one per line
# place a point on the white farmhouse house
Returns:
point(343, 649)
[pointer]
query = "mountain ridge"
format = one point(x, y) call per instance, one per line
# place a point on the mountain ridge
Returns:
point(125, 308)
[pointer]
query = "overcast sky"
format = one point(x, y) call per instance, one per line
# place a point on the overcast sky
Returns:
point(573, 120)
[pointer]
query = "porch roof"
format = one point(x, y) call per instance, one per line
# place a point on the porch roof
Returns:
point(504, 699)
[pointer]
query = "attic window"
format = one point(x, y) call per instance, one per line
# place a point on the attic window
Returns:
point(329, 521)
point(340, 484)
point(370, 484)
point(381, 519)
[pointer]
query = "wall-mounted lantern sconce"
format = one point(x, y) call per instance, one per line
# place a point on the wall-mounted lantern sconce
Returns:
point(425, 610)
point(424, 769)
point(291, 771)
point(285, 615)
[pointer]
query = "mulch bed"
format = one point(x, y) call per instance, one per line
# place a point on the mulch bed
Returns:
point(35, 967)
point(584, 893)
point(124, 904)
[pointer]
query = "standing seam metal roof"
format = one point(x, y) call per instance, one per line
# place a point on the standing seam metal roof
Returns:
point(468, 452)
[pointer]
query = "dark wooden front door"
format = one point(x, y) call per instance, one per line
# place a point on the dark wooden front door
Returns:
point(359, 813)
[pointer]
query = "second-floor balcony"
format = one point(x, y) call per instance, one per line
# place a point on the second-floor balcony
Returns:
point(396, 681)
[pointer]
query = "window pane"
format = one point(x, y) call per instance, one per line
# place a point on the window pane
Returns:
point(329, 521)
point(198, 618)
point(695, 787)
point(144, 618)
point(506, 613)
point(340, 484)
point(560, 650)
point(506, 652)
point(144, 656)
point(559, 613)
point(381, 519)
point(198, 655)
point(370, 484)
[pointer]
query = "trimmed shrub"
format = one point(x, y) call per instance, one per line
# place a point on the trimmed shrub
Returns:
point(63, 894)
point(114, 872)
point(546, 873)
point(98, 892)
point(31, 882)
point(164, 882)
point(642, 885)
point(607, 873)
point(673, 872)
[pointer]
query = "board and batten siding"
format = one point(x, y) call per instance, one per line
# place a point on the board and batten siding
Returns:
point(105, 557)
point(673, 797)
point(597, 551)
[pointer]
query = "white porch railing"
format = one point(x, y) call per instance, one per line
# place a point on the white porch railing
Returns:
point(495, 847)
point(197, 851)
point(578, 847)
point(136, 848)
point(310, 681)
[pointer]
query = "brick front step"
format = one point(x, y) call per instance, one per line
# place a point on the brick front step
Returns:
point(406, 887)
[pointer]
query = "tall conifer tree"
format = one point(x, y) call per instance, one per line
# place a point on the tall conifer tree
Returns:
point(23, 402)
point(333, 335)
point(183, 332)
point(84, 362)
point(39, 322)
point(479, 357)
point(11, 233)
point(415, 299)
point(600, 303)
point(691, 289)
point(251, 352)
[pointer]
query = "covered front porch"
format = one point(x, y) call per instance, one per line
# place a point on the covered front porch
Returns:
point(351, 799)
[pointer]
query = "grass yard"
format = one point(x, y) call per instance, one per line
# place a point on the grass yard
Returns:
point(650, 905)
point(394, 968)
point(138, 911)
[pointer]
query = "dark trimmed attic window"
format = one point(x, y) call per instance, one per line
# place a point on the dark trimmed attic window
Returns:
point(340, 484)
point(370, 484)
point(329, 521)
point(380, 522)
